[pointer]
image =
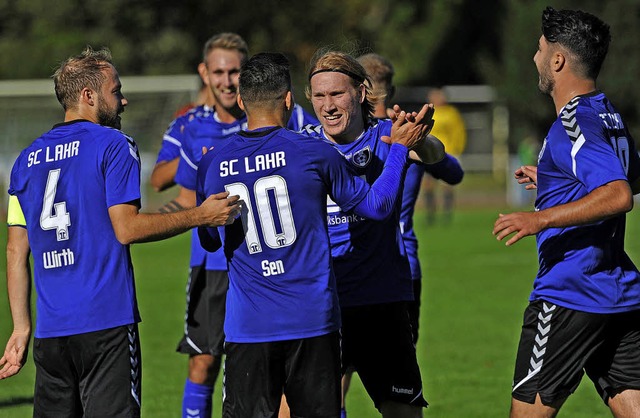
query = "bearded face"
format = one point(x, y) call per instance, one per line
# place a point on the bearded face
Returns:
point(109, 115)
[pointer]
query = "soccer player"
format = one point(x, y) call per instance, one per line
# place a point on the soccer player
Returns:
point(208, 126)
point(372, 271)
point(74, 204)
point(282, 316)
point(584, 310)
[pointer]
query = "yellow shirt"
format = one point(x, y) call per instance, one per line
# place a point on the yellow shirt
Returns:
point(449, 128)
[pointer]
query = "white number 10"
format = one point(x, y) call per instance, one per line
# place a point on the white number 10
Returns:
point(273, 237)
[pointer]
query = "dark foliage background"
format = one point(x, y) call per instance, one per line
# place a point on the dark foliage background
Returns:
point(437, 42)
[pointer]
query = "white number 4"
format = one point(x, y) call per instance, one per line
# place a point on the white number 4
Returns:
point(60, 220)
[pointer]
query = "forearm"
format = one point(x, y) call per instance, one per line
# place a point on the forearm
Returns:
point(447, 170)
point(429, 150)
point(606, 201)
point(148, 227)
point(381, 198)
point(19, 279)
point(163, 174)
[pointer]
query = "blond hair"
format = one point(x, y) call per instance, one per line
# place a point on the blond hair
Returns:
point(226, 40)
point(341, 62)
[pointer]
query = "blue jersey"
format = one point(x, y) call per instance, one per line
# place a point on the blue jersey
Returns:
point(281, 284)
point(300, 118)
point(173, 136)
point(65, 181)
point(448, 170)
point(585, 267)
point(369, 257)
point(203, 131)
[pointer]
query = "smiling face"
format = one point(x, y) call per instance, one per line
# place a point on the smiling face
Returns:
point(338, 105)
point(546, 83)
point(111, 102)
point(220, 73)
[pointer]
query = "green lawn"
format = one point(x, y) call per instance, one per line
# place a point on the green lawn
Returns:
point(474, 292)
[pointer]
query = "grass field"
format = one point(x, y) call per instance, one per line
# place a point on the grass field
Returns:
point(474, 292)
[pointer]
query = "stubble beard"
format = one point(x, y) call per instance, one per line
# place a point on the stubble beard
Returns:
point(108, 117)
point(546, 83)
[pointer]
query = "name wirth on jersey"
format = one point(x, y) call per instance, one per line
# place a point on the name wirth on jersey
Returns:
point(54, 153)
point(54, 259)
point(256, 163)
point(360, 158)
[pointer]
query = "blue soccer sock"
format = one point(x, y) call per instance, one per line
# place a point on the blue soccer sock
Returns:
point(343, 413)
point(196, 400)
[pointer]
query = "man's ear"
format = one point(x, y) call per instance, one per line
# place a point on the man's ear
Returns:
point(202, 70)
point(240, 103)
point(88, 96)
point(288, 100)
point(558, 62)
point(363, 93)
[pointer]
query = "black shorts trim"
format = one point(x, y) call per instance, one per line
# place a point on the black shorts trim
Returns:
point(558, 345)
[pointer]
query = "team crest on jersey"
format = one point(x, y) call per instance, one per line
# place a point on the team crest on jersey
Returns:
point(361, 158)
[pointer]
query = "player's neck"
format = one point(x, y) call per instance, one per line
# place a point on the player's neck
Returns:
point(225, 115)
point(263, 120)
point(76, 114)
point(569, 88)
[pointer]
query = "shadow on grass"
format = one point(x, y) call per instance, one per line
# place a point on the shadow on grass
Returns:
point(24, 400)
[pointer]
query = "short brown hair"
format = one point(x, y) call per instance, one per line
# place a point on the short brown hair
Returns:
point(381, 72)
point(78, 72)
point(226, 40)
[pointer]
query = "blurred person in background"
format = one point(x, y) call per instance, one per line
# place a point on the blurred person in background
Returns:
point(450, 129)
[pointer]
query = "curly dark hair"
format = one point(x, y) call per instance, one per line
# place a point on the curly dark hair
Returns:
point(584, 35)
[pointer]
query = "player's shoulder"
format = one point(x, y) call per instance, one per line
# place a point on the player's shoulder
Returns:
point(312, 130)
point(583, 114)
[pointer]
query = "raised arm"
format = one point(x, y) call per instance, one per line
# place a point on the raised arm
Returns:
point(427, 149)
